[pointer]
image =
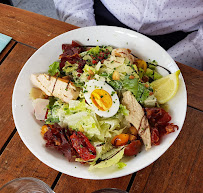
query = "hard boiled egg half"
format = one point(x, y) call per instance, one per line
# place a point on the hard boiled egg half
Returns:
point(101, 97)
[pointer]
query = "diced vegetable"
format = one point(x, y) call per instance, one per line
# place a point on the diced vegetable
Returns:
point(133, 148)
point(120, 140)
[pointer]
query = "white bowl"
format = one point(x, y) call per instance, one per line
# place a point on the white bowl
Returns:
point(29, 129)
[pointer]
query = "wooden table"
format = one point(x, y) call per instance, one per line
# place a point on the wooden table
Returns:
point(178, 170)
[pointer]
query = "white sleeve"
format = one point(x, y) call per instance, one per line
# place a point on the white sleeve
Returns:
point(189, 51)
point(76, 12)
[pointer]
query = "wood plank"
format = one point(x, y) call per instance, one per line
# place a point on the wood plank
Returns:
point(70, 184)
point(179, 169)
point(195, 178)
point(17, 161)
point(6, 49)
point(9, 71)
point(30, 28)
point(193, 80)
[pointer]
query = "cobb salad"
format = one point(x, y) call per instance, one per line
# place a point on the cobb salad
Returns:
point(98, 105)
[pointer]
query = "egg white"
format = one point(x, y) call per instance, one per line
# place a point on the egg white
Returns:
point(90, 86)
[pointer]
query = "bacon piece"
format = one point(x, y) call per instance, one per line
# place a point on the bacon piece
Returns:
point(159, 123)
point(71, 49)
point(59, 139)
point(71, 54)
point(74, 59)
point(171, 128)
point(155, 136)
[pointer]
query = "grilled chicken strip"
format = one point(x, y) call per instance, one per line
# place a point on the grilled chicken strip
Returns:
point(137, 118)
point(124, 53)
point(57, 87)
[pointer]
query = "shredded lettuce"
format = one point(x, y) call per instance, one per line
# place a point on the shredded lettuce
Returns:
point(116, 84)
point(97, 49)
point(123, 110)
point(51, 120)
point(87, 68)
point(94, 50)
point(52, 100)
point(77, 106)
point(69, 69)
point(113, 123)
point(121, 165)
point(79, 116)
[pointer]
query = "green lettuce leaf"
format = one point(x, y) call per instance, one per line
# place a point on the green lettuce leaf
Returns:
point(77, 106)
point(131, 84)
point(94, 50)
point(117, 85)
point(142, 93)
point(108, 159)
point(54, 69)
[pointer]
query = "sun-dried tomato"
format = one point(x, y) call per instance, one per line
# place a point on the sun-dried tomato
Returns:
point(58, 138)
point(83, 146)
point(133, 148)
point(94, 61)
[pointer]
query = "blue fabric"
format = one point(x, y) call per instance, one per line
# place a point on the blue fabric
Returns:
point(4, 40)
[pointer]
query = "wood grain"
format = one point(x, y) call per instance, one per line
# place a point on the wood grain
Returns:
point(9, 71)
point(30, 28)
point(17, 161)
point(6, 49)
point(193, 80)
point(179, 169)
point(70, 184)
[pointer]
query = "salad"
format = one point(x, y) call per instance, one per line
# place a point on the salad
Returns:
point(98, 105)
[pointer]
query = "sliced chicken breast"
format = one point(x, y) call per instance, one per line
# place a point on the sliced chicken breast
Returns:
point(57, 87)
point(137, 118)
point(124, 53)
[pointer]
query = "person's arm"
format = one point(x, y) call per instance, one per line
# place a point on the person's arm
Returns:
point(189, 51)
point(76, 12)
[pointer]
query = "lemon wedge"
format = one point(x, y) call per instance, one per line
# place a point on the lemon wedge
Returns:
point(165, 88)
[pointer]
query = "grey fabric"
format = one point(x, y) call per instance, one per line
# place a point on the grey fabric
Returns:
point(43, 7)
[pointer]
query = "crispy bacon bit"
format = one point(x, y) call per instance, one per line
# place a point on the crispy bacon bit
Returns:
point(58, 138)
point(145, 79)
point(74, 59)
point(155, 136)
point(71, 54)
point(83, 146)
point(101, 56)
point(171, 128)
point(159, 123)
point(71, 49)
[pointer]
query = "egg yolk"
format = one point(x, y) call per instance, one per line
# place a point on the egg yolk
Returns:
point(101, 99)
